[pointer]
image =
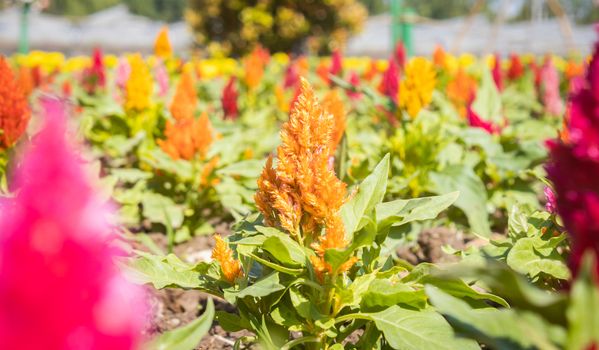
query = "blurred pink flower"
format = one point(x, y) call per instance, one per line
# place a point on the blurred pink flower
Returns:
point(400, 55)
point(336, 63)
point(123, 70)
point(162, 78)
point(390, 83)
point(59, 286)
point(574, 168)
point(94, 77)
point(476, 121)
point(550, 89)
point(550, 200)
point(291, 76)
point(354, 80)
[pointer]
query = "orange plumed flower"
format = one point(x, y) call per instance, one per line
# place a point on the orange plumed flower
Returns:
point(333, 104)
point(185, 100)
point(460, 90)
point(573, 70)
point(439, 57)
point(230, 267)
point(416, 90)
point(162, 45)
point(138, 89)
point(303, 194)
point(254, 69)
point(188, 137)
point(25, 80)
point(207, 177)
point(14, 111)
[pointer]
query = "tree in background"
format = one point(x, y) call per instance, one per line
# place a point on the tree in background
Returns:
point(236, 26)
point(77, 8)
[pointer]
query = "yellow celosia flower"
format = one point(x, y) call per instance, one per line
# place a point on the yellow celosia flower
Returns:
point(230, 267)
point(138, 90)
point(162, 45)
point(416, 90)
point(303, 195)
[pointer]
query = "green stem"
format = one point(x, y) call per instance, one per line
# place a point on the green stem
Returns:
point(298, 341)
point(350, 317)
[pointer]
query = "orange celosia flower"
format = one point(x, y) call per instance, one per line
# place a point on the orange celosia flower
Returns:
point(371, 72)
point(303, 195)
point(573, 70)
point(187, 137)
point(14, 111)
point(162, 45)
point(206, 177)
point(254, 68)
point(185, 100)
point(230, 267)
point(461, 90)
point(416, 90)
point(138, 89)
point(25, 80)
point(323, 72)
point(333, 104)
point(439, 57)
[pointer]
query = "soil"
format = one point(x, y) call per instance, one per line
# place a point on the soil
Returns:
point(172, 308)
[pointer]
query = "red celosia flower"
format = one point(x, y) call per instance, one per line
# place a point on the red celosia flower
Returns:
point(14, 111)
point(497, 74)
point(516, 70)
point(94, 77)
point(354, 80)
point(574, 167)
point(229, 100)
point(390, 83)
point(336, 63)
point(477, 122)
point(59, 286)
point(400, 55)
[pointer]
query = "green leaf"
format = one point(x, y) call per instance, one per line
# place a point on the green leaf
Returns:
point(499, 329)
point(261, 288)
point(230, 322)
point(384, 293)
point(583, 311)
point(532, 256)
point(161, 209)
point(370, 193)
point(164, 271)
point(473, 195)
point(418, 330)
point(403, 211)
point(488, 100)
point(282, 247)
point(187, 337)
point(246, 168)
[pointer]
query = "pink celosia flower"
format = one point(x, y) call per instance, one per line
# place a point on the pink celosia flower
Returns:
point(390, 83)
point(400, 55)
point(59, 286)
point(123, 70)
point(354, 80)
point(474, 120)
point(550, 89)
point(574, 168)
point(229, 100)
point(336, 63)
point(497, 74)
point(161, 78)
point(94, 77)
point(550, 199)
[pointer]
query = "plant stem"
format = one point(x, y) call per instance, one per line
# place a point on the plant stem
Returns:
point(302, 340)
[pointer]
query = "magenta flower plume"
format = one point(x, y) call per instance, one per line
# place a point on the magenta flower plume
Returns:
point(550, 89)
point(94, 77)
point(497, 74)
point(229, 100)
point(550, 204)
point(291, 76)
point(475, 121)
point(59, 286)
point(390, 83)
point(336, 63)
point(574, 168)
point(123, 70)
